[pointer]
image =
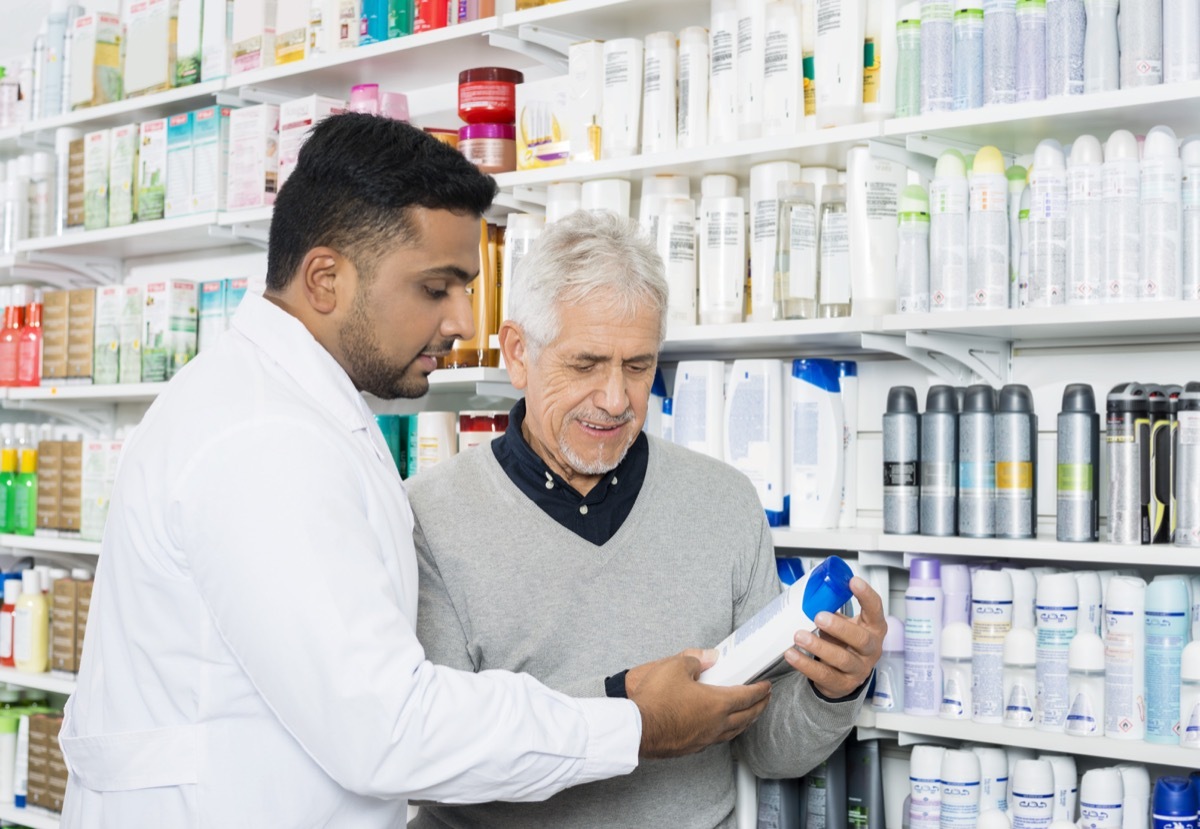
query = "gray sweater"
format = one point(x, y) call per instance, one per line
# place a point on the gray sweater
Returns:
point(503, 585)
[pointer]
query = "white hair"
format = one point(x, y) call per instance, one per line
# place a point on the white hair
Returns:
point(581, 257)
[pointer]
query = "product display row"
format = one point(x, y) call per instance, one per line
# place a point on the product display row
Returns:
point(43, 619)
point(32, 770)
point(421, 440)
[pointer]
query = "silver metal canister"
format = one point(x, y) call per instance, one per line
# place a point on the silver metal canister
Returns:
point(1187, 468)
point(977, 463)
point(1078, 509)
point(1127, 438)
point(939, 462)
point(901, 462)
point(1016, 454)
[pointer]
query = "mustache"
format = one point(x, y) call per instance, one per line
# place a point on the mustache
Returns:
point(602, 418)
point(441, 351)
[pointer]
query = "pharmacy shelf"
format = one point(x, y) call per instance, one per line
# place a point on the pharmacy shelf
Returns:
point(841, 539)
point(32, 817)
point(911, 729)
point(1043, 548)
point(426, 59)
point(117, 393)
point(1019, 127)
point(183, 233)
point(128, 111)
point(607, 19)
point(767, 339)
point(42, 682)
point(465, 380)
point(819, 147)
point(68, 545)
point(1156, 320)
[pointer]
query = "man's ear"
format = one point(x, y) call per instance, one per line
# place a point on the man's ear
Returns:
point(515, 348)
point(323, 272)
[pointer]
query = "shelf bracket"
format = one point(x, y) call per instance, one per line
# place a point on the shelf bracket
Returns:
point(67, 412)
point(100, 270)
point(547, 46)
point(956, 358)
point(242, 232)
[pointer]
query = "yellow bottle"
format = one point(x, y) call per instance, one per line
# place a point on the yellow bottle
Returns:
point(31, 623)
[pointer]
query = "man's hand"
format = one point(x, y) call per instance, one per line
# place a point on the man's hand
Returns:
point(679, 715)
point(847, 648)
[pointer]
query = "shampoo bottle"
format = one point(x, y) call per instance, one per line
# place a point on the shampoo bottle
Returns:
point(753, 431)
point(796, 257)
point(816, 424)
point(841, 32)
point(25, 494)
point(699, 406)
point(723, 247)
point(873, 188)
point(692, 125)
point(723, 73)
point(764, 217)
point(751, 41)
point(848, 381)
point(833, 254)
point(922, 638)
point(31, 627)
point(659, 119)
point(987, 246)
point(783, 71)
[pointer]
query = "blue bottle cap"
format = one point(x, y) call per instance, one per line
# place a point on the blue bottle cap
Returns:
point(659, 387)
point(828, 587)
point(821, 373)
point(1174, 797)
point(791, 570)
point(847, 368)
point(668, 406)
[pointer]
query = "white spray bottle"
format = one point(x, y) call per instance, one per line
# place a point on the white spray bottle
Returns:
point(948, 234)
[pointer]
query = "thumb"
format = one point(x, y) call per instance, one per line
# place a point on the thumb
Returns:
point(707, 657)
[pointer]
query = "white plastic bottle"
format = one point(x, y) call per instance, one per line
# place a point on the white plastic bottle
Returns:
point(677, 249)
point(948, 234)
point(841, 32)
point(1031, 50)
point(31, 626)
point(621, 127)
point(1168, 624)
point(993, 778)
point(999, 51)
point(925, 787)
point(1057, 614)
point(889, 673)
point(873, 187)
point(723, 252)
point(520, 234)
point(1066, 783)
point(1189, 696)
point(968, 54)
point(987, 245)
point(699, 406)
point(1190, 155)
point(1033, 794)
point(1016, 176)
point(692, 124)
point(991, 620)
point(796, 263)
point(848, 382)
point(1015, 754)
point(1101, 55)
point(562, 199)
point(956, 594)
point(922, 637)
point(880, 65)
point(1048, 226)
point(1065, 25)
point(1100, 797)
point(956, 672)
point(1140, 33)
point(723, 73)
point(764, 218)
point(937, 56)
point(1135, 807)
point(833, 254)
point(994, 820)
point(1122, 217)
point(1085, 717)
point(1162, 217)
point(1124, 658)
point(783, 71)
point(816, 426)
point(1024, 595)
point(960, 795)
point(912, 251)
point(659, 81)
point(754, 430)
point(1181, 40)
point(1091, 601)
point(1085, 222)
point(808, 45)
point(751, 37)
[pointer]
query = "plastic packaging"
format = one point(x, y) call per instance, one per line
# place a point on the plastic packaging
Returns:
point(1065, 786)
point(988, 246)
point(968, 54)
point(948, 234)
point(723, 73)
point(960, 779)
point(611, 194)
point(816, 424)
point(1122, 217)
point(1048, 226)
point(488, 95)
point(848, 382)
point(976, 464)
point(562, 199)
point(901, 462)
point(912, 251)
point(1101, 55)
point(1016, 176)
point(622, 98)
point(31, 626)
point(1091, 602)
point(1078, 512)
point(1021, 300)
point(1168, 624)
point(889, 673)
point(796, 256)
point(999, 51)
point(922, 638)
point(692, 124)
point(764, 217)
point(908, 57)
point(1100, 796)
point(1085, 221)
point(1057, 612)
point(833, 254)
point(873, 187)
point(754, 408)
point(699, 406)
point(1162, 217)
point(991, 620)
point(1085, 716)
point(993, 779)
point(1140, 33)
point(783, 71)
point(841, 31)
point(676, 242)
point(939, 462)
point(1161, 470)
point(659, 118)
point(1135, 783)
point(879, 63)
point(1174, 803)
point(1066, 22)
point(1124, 658)
point(937, 56)
point(490, 147)
point(956, 593)
point(1031, 50)
point(1127, 438)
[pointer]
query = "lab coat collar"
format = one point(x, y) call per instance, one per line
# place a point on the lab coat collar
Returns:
point(285, 340)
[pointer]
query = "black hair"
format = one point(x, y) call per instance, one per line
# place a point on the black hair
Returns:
point(355, 180)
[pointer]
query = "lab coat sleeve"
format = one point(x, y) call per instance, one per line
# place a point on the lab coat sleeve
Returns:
point(282, 552)
point(799, 729)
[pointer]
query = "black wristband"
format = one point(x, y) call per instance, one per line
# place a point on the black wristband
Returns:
point(614, 686)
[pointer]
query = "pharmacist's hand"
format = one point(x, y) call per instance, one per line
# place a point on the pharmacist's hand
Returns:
point(679, 715)
point(846, 649)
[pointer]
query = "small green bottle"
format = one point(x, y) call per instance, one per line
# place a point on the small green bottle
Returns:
point(25, 497)
point(8, 489)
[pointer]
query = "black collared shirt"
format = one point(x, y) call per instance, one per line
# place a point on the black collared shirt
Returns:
point(596, 516)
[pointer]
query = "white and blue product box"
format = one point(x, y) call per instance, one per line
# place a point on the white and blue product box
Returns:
point(212, 313)
point(235, 289)
point(180, 165)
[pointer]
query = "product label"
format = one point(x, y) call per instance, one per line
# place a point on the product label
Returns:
point(1081, 719)
point(952, 698)
point(775, 54)
point(990, 622)
point(977, 475)
point(1075, 481)
point(900, 475)
point(938, 478)
point(616, 69)
point(816, 798)
point(1055, 630)
point(23, 634)
point(835, 259)
point(1014, 475)
point(722, 52)
point(925, 810)
point(810, 86)
point(921, 691)
point(884, 698)
point(1123, 711)
point(870, 71)
point(1018, 709)
point(802, 257)
point(1190, 719)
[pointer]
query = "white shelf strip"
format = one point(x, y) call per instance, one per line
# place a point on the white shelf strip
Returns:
point(42, 682)
point(32, 817)
point(51, 544)
point(1136, 751)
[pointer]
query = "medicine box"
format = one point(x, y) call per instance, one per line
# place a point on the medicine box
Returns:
point(152, 170)
point(169, 319)
point(76, 184)
point(93, 491)
point(106, 362)
point(253, 156)
point(70, 504)
point(212, 313)
point(49, 484)
point(296, 119)
point(543, 118)
point(55, 319)
point(95, 171)
point(95, 60)
point(180, 163)
point(585, 73)
point(235, 289)
point(81, 320)
point(214, 41)
point(62, 626)
point(131, 335)
point(291, 30)
point(210, 153)
point(148, 47)
point(122, 166)
point(189, 30)
point(253, 35)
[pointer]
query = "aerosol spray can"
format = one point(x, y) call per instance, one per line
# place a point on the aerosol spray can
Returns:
point(1187, 468)
point(1079, 465)
point(901, 462)
point(1127, 437)
point(1016, 463)
point(939, 462)
point(1174, 391)
point(977, 464)
point(1160, 464)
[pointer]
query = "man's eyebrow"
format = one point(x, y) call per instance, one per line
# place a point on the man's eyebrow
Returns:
point(449, 272)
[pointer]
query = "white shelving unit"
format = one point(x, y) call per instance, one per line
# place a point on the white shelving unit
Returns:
point(31, 816)
point(67, 545)
point(43, 682)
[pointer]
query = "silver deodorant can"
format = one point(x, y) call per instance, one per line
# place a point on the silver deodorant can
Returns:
point(977, 463)
point(1078, 509)
point(901, 462)
point(1016, 458)
point(939, 462)
point(1127, 439)
point(1162, 463)
point(1187, 468)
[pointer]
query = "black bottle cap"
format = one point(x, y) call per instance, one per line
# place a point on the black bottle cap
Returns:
point(902, 400)
point(1128, 397)
point(979, 399)
point(1079, 397)
point(941, 399)
point(1015, 398)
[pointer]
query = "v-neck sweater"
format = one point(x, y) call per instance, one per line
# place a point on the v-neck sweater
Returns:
point(505, 586)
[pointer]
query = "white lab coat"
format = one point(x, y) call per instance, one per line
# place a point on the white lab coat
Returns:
point(250, 657)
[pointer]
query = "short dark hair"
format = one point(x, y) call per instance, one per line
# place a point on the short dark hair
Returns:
point(355, 180)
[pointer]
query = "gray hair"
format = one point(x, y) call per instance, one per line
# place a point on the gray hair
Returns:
point(579, 257)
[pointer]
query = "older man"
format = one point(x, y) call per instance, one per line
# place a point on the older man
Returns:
point(577, 546)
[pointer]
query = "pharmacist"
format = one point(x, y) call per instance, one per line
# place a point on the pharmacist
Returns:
point(251, 657)
point(578, 546)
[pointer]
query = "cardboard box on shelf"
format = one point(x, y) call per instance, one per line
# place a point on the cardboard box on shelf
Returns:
point(49, 484)
point(55, 322)
point(152, 170)
point(106, 362)
point(95, 56)
point(62, 626)
point(253, 156)
point(131, 335)
point(96, 160)
point(296, 119)
point(81, 334)
point(169, 322)
point(180, 166)
point(70, 500)
point(210, 154)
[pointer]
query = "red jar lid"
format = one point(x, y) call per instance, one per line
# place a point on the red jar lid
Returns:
point(490, 73)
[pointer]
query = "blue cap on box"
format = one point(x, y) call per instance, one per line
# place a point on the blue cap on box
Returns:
point(791, 570)
point(828, 587)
